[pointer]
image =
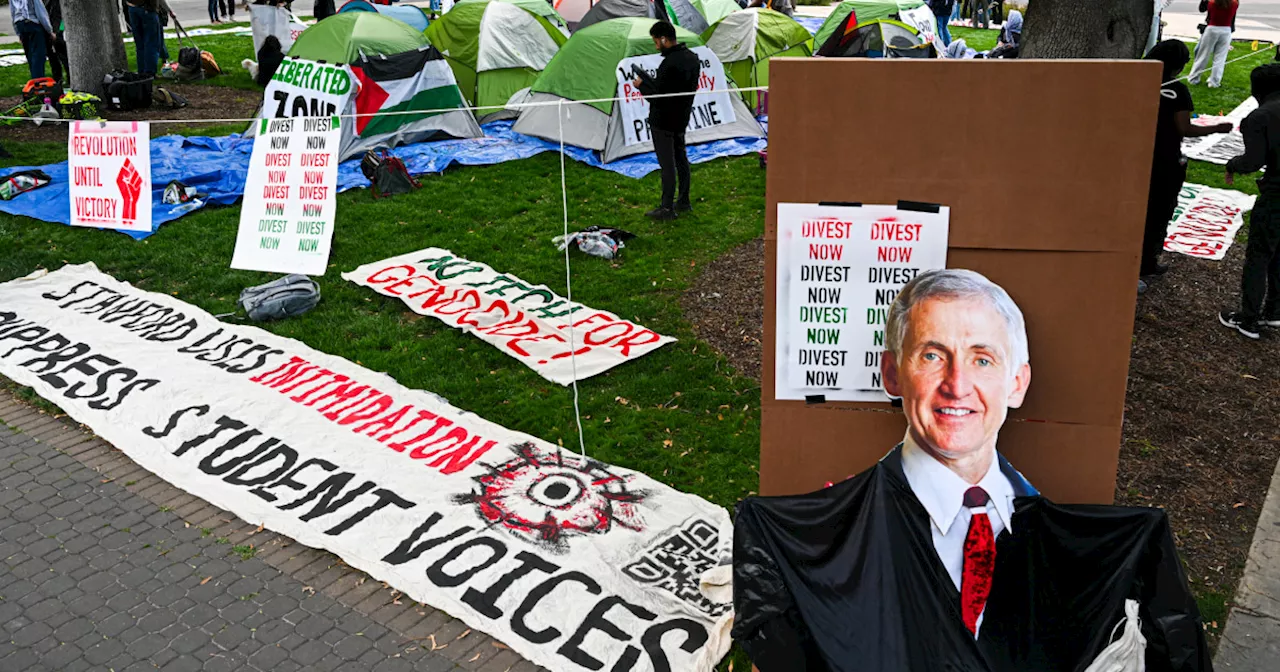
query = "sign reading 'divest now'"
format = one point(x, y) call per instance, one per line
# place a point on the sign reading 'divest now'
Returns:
point(711, 105)
point(839, 270)
point(286, 222)
point(109, 165)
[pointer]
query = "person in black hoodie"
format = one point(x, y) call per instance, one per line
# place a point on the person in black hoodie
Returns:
point(270, 56)
point(669, 116)
point(1260, 282)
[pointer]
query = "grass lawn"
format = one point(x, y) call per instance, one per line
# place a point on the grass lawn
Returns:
point(679, 414)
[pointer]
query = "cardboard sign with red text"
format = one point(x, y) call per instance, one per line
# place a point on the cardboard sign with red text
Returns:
point(1206, 220)
point(529, 322)
point(711, 105)
point(839, 270)
point(109, 166)
point(286, 222)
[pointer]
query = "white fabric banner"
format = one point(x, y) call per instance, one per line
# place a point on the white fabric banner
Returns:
point(302, 88)
point(1206, 220)
point(922, 19)
point(267, 20)
point(109, 165)
point(290, 197)
point(839, 270)
point(529, 322)
point(711, 106)
point(1220, 147)
point(575, 564)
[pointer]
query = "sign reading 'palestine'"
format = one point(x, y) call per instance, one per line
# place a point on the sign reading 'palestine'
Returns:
point(290, 200)
point(575, 564)
point(839, 270)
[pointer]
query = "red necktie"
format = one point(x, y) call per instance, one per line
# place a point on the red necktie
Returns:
point(979, 560)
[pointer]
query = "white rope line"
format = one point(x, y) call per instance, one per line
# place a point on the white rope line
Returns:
point(568, 283)
point(1251, 54)
point(559, 103)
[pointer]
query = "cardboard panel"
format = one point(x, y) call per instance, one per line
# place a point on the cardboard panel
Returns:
point(1046, 176)
point(812, 446)
point(1037, 155)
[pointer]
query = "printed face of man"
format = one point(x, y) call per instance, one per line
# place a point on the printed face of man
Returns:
point(956, 375)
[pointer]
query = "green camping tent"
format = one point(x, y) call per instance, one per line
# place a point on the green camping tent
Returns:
point(745, 41)
point(497, 47)
point(714, 10)
point(586, 69)
point(341, 38)
point(882, 38)
point(865, 10)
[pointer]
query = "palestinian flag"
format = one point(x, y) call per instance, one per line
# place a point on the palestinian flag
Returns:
point(413, 80)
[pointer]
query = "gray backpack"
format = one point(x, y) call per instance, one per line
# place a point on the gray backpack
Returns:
point(286, 297)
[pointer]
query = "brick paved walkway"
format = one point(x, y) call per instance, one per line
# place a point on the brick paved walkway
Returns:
point(108, 567)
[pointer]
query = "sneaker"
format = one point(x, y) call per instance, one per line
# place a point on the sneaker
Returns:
point(1235, 321)
point(661, 214)
point(1142, 288)
point(684, 207)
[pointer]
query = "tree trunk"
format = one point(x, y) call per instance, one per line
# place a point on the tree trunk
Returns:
point(94, 44)
point(1086, 28)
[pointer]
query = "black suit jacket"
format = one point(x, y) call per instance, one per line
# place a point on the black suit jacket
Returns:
point(847, 578)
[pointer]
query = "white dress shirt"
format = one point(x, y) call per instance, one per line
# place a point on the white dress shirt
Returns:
point(941, 491)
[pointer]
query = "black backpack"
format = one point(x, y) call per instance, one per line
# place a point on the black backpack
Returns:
point(387, 173)
point(126, 90)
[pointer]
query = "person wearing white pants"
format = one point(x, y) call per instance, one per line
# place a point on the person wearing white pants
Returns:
point(1215, 42)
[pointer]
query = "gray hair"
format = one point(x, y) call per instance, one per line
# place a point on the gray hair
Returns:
point(957, 284)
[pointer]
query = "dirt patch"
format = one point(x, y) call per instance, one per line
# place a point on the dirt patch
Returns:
point(206, 102)
point(726, 306)
point(1202, 420)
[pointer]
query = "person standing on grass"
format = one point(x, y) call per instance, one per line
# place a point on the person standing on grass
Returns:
point(31, 24)
point(669, 116)
point(1215, 41)
point(942, 14)
point(1260, 281)
point(58, 60)
point(1168, 166)
point(144, 18)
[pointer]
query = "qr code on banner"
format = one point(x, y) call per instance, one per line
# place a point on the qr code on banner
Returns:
point(676, 563)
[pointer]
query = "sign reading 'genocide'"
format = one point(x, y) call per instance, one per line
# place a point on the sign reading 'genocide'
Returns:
point(1206, 220)
point(290, 200)
point(575, 564)
point(529, 322)
point(839, 270)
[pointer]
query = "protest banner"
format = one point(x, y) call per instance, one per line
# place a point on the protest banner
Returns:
point(922, 19)
point(286, 221)
point(302, 88)
point(1206, 221)
point(575, 564)
point(839, 270)
point(529, 322)
point(1220, 147)
point(268, 20)
point(109, 164)
point(711, 105)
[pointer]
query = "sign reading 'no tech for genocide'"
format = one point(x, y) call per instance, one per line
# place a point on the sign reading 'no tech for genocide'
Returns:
point(839, 270)
point(577, 565)
point(286, 222)
point(109, 164)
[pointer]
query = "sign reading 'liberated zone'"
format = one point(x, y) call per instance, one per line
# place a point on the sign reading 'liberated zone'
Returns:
point(575, 564)
point(286, 222)
point(839, 270)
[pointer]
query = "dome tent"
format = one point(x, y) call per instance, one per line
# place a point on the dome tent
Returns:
point(410, 14)
point(497, 47)
point(341, 38)
point(746, 40)
point(692, 15)
point(863, 11)
point(586, 69)
point(371, 64)
point(881, 38)
point(617, 9)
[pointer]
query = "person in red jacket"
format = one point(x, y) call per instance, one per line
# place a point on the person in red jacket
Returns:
point(1215, 42)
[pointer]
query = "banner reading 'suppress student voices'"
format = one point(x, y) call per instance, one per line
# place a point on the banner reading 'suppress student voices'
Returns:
point(529, 322)
point(575, 564)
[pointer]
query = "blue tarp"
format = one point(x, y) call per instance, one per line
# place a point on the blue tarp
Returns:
point(811, 23)
point(219, 167)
